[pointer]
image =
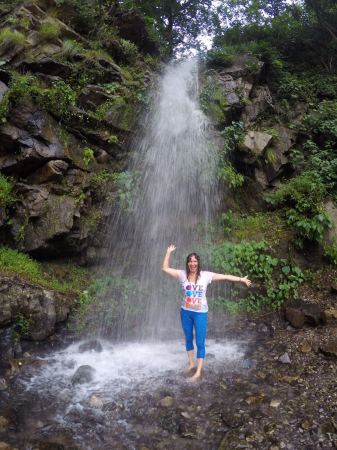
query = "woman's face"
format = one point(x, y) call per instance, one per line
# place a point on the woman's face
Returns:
point(193, 264)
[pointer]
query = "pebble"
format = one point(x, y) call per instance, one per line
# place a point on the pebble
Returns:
point(275, 403)
point(167, 401)
point(284, 359)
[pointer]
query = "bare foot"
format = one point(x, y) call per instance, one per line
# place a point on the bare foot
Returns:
point(188, 369)
point(195, 377)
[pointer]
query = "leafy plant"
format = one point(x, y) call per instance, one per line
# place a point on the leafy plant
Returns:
point(302, 198)
point(7, 198)
point(88, 155)
point(230, 176)
point(279, 279)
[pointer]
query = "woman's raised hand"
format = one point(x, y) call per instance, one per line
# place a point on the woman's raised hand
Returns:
point(246, 281)
point(171, 248)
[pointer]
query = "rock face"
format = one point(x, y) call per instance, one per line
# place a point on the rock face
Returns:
point(299, 313)
point(235, 94)
point(34, 309)
point(53, 150)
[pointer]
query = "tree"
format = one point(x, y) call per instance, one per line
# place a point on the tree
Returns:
point(178, 22)
point(235, 12)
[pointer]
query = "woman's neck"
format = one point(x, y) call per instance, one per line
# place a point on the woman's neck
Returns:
point(192, 277)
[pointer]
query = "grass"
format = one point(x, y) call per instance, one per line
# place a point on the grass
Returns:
point(6, 192)
point(64, 278)
point(261, 226)
point(50, 29)
point(7, 36)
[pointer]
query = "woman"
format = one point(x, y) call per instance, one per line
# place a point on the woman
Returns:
point(194, 307)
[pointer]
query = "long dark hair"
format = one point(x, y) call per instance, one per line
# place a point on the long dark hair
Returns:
point(188, 259)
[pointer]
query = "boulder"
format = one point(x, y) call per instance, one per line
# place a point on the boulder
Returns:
point(329, 316)
point(254, 143)
point(329, 348)
point(28, 139)
point(300, 312)
point(40, 309)
point(90, 346)
point(84, 374)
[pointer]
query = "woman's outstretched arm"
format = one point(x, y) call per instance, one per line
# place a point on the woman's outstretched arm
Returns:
point(166, 263)
point(220, 277)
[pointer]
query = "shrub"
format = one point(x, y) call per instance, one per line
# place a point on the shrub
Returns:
point(280, 280)
point(59, 99)
point(7, 36)
point(302, 199)
point(6, 192)
point(130, 50)
point(50, 29)
point(230, 176)
point(88, 155)
point(221, 57)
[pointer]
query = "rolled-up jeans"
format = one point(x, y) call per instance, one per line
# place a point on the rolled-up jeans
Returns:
point(198, 321)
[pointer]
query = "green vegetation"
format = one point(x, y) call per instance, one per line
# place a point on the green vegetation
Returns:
point(125, 184)
point(70, 279)
point(7, 36)
point(232, 135)
point(88, 155)
point(277, 278)
point(50, 29)
point(302, 198)
point(108, 300)
point(260, 226)
point(7, 198)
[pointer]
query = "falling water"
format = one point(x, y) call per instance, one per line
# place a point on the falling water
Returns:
point(176, 159)
point(174, 202)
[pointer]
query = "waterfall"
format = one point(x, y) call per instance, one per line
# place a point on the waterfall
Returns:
point(175, 160)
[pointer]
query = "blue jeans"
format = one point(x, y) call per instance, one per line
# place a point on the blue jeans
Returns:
point(198, 321)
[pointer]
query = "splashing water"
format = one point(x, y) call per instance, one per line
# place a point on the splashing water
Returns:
point(175, 198)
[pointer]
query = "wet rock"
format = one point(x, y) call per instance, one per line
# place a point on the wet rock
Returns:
point(284, 359)
point(275, 403)
point(84, 374)
point(329, 316)
point(167, 401)
point(91, 346)
point(96, 402)
point(4, 424)
point(3, 89)
point(299, 313)
point(39, 308)
point(6, 341)
point(5, 446)
point(305, 348)
point(330, 348)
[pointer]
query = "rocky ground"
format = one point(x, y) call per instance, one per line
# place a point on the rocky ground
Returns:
point(281, 395)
